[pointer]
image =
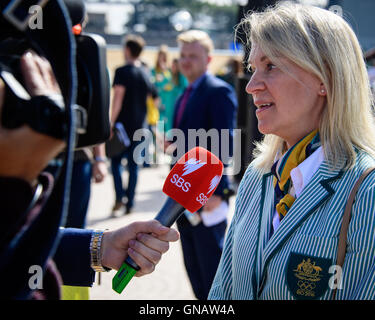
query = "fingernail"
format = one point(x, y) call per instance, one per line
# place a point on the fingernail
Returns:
point(131, 243)
point(163, 228)
point(139, 236)
point(28, 55)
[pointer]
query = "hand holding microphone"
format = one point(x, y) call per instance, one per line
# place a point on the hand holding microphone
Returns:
point(189, 185)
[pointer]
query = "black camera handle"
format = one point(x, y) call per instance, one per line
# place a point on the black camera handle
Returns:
point(44, 114)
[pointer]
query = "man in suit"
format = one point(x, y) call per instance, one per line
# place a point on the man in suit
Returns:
point(208, 103)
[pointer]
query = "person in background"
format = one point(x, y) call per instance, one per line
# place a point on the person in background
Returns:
point(313, 103)
point(90, 164)
point(179, 83)
point(207, 103)
point(131, 88)
point(161, 77)
point(233, 70)
point(152, 118)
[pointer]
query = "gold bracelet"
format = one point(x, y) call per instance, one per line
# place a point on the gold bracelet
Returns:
point(96, 252)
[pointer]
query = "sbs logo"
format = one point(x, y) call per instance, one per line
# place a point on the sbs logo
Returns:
point(202, 199)
point(180, 182)
point(190, 166)
point(214, 183)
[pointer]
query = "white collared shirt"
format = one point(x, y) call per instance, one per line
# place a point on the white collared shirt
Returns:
point(301, 176)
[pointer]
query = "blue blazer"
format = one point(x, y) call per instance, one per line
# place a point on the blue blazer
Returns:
point(212, 105)
point(73, 258)
point(298, 260)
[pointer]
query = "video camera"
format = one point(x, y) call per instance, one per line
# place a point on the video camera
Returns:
point(79, 116)
point(78, 61)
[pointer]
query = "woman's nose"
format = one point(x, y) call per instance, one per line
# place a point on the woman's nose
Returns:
point(255, 84)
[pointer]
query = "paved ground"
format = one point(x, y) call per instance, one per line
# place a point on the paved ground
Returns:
point(169, 280)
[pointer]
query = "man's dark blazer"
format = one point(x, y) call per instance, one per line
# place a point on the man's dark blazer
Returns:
point(212, 105)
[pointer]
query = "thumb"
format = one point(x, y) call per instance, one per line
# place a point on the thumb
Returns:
point(151, 226)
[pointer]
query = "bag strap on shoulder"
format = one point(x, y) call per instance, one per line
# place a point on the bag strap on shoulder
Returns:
point(341, 251)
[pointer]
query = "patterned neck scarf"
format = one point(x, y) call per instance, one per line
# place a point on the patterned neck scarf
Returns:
point(281, 170)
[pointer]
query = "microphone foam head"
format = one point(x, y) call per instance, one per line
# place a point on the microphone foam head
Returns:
point(194, 178)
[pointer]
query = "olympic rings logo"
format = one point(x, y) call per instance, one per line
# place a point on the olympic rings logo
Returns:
point(306, 285)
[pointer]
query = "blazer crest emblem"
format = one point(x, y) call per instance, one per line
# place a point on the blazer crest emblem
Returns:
point(307, 276)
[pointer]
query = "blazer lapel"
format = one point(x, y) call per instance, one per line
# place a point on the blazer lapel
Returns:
point(315, 194)
point(265, 218)
point(176, 107)
point(193, 101)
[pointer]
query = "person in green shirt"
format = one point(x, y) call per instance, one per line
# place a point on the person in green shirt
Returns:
point(161, 77)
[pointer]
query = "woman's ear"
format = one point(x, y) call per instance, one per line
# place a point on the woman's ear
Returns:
point(322, 90)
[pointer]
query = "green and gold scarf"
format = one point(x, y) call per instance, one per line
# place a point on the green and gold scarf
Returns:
point(281, 170)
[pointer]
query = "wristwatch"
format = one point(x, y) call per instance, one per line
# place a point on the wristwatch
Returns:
point(96, 251)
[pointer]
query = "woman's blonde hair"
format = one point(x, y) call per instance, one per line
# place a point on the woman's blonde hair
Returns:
point(163, 50)
point(322, 43)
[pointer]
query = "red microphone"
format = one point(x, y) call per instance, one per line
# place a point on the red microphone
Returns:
point(189, 185)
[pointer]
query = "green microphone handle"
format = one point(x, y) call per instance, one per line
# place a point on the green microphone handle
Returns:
point(170, 212)
point(123, 276)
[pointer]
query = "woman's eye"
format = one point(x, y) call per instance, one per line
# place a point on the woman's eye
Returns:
point(270, 66)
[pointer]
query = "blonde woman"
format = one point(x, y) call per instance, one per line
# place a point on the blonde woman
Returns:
point(313, 100)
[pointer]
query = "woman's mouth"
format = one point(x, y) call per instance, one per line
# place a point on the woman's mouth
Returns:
point(264, 107)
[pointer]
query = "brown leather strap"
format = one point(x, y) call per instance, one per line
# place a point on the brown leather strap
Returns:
point(341, 251)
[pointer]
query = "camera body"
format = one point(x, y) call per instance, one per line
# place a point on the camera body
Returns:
point(88, 101)
point(93, 91)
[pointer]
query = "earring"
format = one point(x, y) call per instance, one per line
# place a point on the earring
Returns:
point(322, 91)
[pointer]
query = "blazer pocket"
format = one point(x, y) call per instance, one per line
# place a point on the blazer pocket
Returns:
point(308, 266)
